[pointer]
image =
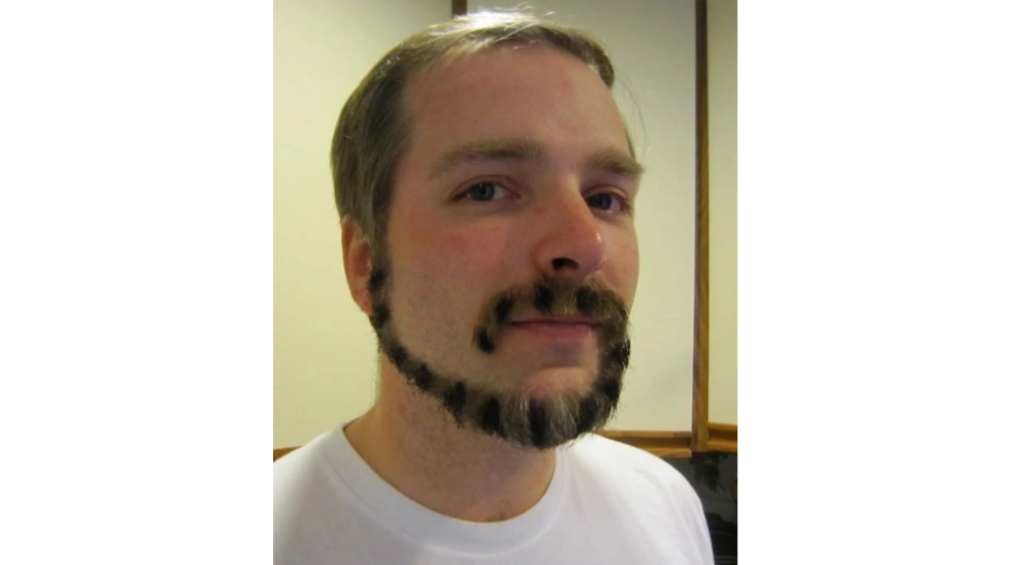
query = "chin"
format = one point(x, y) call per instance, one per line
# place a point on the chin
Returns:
point(552, 382)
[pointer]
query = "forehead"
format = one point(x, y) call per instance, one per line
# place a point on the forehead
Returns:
point(533, 92)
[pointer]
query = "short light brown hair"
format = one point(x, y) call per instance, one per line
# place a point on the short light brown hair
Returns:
point(374, 128)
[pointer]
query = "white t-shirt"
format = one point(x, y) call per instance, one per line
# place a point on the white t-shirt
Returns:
point(607, 503)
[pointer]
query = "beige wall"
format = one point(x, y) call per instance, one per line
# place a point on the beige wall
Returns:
point(722, 50)
point(324, 354)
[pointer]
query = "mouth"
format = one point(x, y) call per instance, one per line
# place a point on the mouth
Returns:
point(563, 328)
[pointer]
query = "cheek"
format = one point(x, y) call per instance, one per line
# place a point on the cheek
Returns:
point(442, 282)
point(625, 267)
point(462, 266)
point(473, 257)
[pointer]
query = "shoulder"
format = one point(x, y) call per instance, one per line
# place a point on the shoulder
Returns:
point(642, 496)
point(308, 502)
point(628, 469)
point(299, 478)
point(595, 445)
point(297, 464)
point(619, 458)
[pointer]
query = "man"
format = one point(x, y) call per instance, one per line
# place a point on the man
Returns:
point(486, 185)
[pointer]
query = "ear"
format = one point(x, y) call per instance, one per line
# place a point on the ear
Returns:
point(357, 262)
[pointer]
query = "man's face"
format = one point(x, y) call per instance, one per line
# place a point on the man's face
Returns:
point(511, 251)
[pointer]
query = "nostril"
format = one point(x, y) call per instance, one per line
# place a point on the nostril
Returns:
point(562, 262)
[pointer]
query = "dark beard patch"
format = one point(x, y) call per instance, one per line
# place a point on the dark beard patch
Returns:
point(380, 317)
point(615, 322)
point(538, 424)
point(494, 317)
point(589, 409)
point(543, 298)
point(376, 281)
point(483, 341)
point(490, 417)
point(423, 378)
point(619, 355)
point(587, 301)
point(611, 389)
point(455, 399)
point(502, 310)
point(398, 355)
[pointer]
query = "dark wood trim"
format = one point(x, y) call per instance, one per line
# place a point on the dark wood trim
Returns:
point(722, 437)
point(723, 431)
point(706, 435)
point(277, 453)
point(661, 444)
point(721, 445)
point(701, 331)
point(458, 8)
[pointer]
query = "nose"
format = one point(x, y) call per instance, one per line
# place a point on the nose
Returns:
point(571, 246)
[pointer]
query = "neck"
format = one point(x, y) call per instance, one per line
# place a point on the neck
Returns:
point(461, 473)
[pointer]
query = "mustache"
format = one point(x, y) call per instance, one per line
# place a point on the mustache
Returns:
point(553, 297)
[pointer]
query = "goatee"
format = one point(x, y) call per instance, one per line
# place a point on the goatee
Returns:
point(540, 423)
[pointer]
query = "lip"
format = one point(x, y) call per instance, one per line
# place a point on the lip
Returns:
point(557, 328)
point(556, 320)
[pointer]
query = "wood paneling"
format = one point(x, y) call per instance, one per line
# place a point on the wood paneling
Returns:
point(701, 333)
point(661, 444)
point(722, 437)
point(277, 453)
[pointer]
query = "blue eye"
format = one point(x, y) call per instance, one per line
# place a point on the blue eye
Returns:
point(484, 191)
point(606, 201)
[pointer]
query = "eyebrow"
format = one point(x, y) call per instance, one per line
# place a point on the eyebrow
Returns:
point(617, 163)
point(523, 149)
